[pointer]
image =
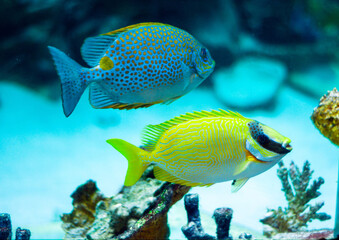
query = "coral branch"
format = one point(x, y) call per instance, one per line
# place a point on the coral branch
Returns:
point(192, 209)
point(193, 229)
point(298, 213)
point(283, 176)
point(22, 234)
point(223, 217)
point(5, 226)
point(6, 229)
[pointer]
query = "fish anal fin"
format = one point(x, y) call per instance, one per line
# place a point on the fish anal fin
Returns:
point(163, 175)
point(128, 106)
point(98, 97)
point(237, 184)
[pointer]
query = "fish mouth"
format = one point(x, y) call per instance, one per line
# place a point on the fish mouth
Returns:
point(280, 148)
point(207, 70)
point(286, 145)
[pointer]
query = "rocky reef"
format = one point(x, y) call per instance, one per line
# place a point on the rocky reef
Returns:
point(6, 229)
point(326, 116)
point(298, 193)
point(193, 230)
point(137, 212)
point(236, 86)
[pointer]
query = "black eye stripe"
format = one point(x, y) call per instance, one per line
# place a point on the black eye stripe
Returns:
point(263, 140)
point(258, 134)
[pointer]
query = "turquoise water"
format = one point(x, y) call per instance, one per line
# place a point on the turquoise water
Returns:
point(46, 156)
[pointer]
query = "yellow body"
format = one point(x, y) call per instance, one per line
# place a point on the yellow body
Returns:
point(201, 149)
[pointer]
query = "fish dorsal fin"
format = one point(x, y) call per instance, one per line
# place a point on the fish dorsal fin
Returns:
point(134, 26)
point(94, 48)
point(163, 175)
point(152, 133)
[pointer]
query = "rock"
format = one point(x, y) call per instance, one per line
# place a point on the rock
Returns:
point(326, 116)
point(6, 229)
point(316, 79)
point(250, 83)
point(193, 229)
point(5, 226)
point(245, 236)
point(22, 234)
point(136, 212)
point(223, 217)
point(85, 198)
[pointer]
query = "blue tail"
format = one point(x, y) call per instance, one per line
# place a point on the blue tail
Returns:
point(71, 85)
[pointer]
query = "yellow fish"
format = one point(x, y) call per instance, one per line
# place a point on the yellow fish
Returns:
point(203, 148)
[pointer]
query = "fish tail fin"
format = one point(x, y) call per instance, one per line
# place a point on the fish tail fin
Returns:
point(133, 154)
point(69, 72)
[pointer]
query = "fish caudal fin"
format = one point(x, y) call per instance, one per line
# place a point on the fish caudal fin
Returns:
point(136, 167)
point(71, 84)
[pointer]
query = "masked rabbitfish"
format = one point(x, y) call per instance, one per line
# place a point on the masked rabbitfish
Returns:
point(203, 148)
point(132, 67)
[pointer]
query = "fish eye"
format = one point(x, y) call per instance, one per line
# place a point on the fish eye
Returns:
point(203, 54)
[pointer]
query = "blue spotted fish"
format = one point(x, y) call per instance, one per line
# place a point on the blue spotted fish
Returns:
point(132, 67)
point(203, 148)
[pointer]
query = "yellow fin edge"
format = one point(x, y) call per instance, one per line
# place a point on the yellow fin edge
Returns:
point(134, 26)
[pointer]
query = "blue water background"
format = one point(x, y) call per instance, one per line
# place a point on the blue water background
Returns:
point(45, 156)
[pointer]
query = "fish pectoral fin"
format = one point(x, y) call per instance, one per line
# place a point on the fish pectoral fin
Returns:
point(163, 175)
point(98, 98)
point(241, 167)
point(237, 184)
